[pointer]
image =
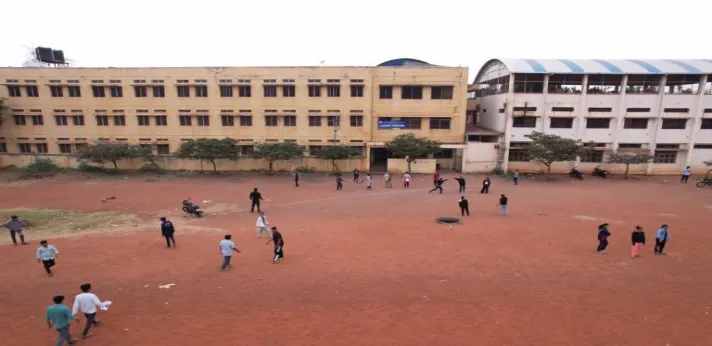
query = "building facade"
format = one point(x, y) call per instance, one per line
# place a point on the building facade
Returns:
point(55, 111)
point(662, 107)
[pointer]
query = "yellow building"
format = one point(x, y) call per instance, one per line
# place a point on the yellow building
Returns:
point(54, 111)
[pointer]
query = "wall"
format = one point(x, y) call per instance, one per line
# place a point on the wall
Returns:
point(479, 157)
point(492, 119)
point(417, 166)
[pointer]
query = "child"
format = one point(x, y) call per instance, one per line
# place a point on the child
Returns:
point(603, 235)
point(368, 181)
point(515, 177)
point(278, 245)
point(356, 176)
point(638, 240)
point(660, 239)
point(45, 255)
point(387, 178)
point(406, 179)
point(339, 182)
point(58, 316)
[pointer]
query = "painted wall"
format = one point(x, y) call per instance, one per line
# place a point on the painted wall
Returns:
point(480, 157)
point(417, 166)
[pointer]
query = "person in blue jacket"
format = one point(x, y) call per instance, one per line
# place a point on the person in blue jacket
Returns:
point(603, 235)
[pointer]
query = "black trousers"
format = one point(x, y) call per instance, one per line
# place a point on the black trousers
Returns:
point(14, 240)
point(296, 183)
point(169, 239)
point(278, 252)
point(602, 244)
point(255, 204)
point(659, 245)
point(485, 189)
point(462, 188)
point(684, 178)
point(464, 210)
point(356, 176)
point(339, 186)
point(91, 321)
point(437, 188)
point(48, 264)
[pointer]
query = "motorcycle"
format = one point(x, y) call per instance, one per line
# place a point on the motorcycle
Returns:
point(705, 182)
point(575, 173)
point(192, 209)
point(597, 172)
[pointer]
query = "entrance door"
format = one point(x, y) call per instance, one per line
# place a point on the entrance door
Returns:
point(379, 160)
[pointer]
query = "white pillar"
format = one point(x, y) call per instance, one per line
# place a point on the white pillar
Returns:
point(658, 124)
point(583, 110)
point(697, 113)
point(620, 117)
point(508, 111)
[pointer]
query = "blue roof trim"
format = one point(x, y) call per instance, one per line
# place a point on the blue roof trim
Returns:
point(687, 67)
point(608, 65)
point(538, 68)
point(575, 68)
point(646, 66)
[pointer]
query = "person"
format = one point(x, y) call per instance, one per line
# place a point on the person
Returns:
point(368, 181)
point(46, 255)
point(58, 316)
point(603, 235)
point(438, 185)
point(436, 177)
point(485, 185)
point(339, 183)
point(356, 175)
point(503, 200)
point(387, 178)
point(226, 248)
point(461, 182)
point(255, 197)
point(515, 177)
point(262, 226)
point(296, 179)
point(660, 239)
point(464, 206)
point(15, 225)
point(167, 231)
point(685, 175)
point(87, 303)
point(638, 240)
point(278, 245)
point(406, 179)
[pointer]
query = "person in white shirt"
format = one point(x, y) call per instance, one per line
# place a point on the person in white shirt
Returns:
point(226, 248)
point(262, 226)
point(406, 179)
point(45, 255)
point(87, 303)
point(387, 178)
point(368, 181)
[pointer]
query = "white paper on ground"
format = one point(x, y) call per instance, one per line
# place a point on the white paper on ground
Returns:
point(105, 305)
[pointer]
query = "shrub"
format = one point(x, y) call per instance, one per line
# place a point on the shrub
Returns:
point(497, 171)
point(87, 168)
point(41, 168)
point(151, 168)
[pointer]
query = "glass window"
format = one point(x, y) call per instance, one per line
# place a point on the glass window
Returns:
point(643, 84)
point(682, 84)
point(604, 84)
point(565, 84)
point(529, 83)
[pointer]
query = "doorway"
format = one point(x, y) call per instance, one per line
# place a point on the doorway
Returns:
point(379, 160)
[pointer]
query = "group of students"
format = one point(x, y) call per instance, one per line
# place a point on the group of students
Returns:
point(59, 315)
point(637, 239)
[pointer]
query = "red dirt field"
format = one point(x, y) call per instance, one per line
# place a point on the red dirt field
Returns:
point(373, 268)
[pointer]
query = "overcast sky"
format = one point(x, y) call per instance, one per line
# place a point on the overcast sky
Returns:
point(365, 32)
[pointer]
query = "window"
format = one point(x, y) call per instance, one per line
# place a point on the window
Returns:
point(440, 123)
point(665, 157)
point(140, 91)
point(290, 120)
point(696, 146)
point(42, 148)
point(116, 91)
point(604, 84)
point(163, 149)
point(314, 120)
point(161, 120)
point(629, 146)
point(357, 91)
point(315, 91)
point(385, 92)
point(444, 154)
point(519, 155)
point(32, 91)
point(246, 150)
point(333, 120)
point(97, 91)
point(638, 110)
point(14, 91)
point(288, 90)
point(65, 148)
point(228, 120)
point(201, 91)
point(25, 147)
point(61, 120)
point(314, 150)
point(600, 109)
point(270, 120)
point(598, 123)
point(159, 91)
point(412, 123)
point(635, 123)
point(203, 120)
point(356, 120)
point(411, 92)
point(333, 90)
point(441, 92)
point(183, 91)
point(706, 124)
point(561, 123)
point(528, 83)
point(144, 120)
point(185, 120)
point(78, 120)
point(270, 90)
point(37, 120)
point(528, 122)
point(74, 91)
point(119, 120)
point(643, 84)
point(56, 90)
point(20, 120)
point(245, 120)
point(674, 124)
point(565, 84)
point(226, 91)
point(244, 91)
point(558, 109)
point(592, 156)
point(524, 109)
point(676, 110)
point(682, 84)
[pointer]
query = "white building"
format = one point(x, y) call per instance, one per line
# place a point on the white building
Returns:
point(659, 106)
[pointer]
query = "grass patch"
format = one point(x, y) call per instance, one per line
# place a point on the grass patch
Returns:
point(53, 222)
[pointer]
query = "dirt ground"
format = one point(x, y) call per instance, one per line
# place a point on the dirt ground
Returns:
point(371, 268)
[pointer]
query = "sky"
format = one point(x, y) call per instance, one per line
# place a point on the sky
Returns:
point(132, 33)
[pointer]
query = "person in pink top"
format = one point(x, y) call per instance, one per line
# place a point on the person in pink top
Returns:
point(436, 177)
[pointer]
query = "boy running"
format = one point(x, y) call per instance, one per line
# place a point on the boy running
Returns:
point(46, 254)
point(603, 235)
point(278, 245)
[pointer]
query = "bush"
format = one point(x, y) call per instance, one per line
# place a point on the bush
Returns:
point(87, 168)
point(41, 168)
point(306, 169)
point(497, 171)
point(151, 168)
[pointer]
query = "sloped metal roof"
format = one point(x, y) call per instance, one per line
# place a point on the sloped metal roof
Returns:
point(404, 62)
point(600, 66)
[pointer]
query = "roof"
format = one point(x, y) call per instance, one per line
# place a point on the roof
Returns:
point(404, 62)
point(600, 66)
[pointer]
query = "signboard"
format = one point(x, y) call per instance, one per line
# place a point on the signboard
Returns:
point(392, 124)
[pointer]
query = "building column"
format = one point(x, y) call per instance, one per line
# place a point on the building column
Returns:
point(620, 117)
point(696, 122)
point(508, 111)
point(581, 121)
point(658, 124)
point(544, 116)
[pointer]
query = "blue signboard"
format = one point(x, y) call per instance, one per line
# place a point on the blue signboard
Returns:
point(392, 124)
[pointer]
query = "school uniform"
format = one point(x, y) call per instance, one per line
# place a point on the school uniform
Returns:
point(47, 256)
point(167, 230)
point(660, 240)
point(603, 235)
point(278, 245)
point(638, 240)
point(464, 206)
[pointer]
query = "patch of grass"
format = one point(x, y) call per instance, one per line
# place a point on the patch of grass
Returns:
point(52, 222)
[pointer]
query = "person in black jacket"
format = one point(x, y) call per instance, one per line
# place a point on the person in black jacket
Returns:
point(461, 182)
point(638, 240)
point(278, 245)
point(603, 235)
point(255, 197)
point(438, 185)
point(486, 185)
point(167, 231)
point(464, 206)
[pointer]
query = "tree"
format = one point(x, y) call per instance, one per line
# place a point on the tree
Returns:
point(547, 149)
point(145, 152)
point(277, 151)
point(708, 164)
point(106, 152)
point(412, 147)
point(209, 149)
point(629, 159)
point(334, 153)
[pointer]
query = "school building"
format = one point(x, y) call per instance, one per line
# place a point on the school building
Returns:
point(53, 112)
point(661, 107)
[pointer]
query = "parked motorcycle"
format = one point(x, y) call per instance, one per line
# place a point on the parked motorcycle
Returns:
point(597, 172)
point(705, 182)
point(575, 173)
point(192, 209)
